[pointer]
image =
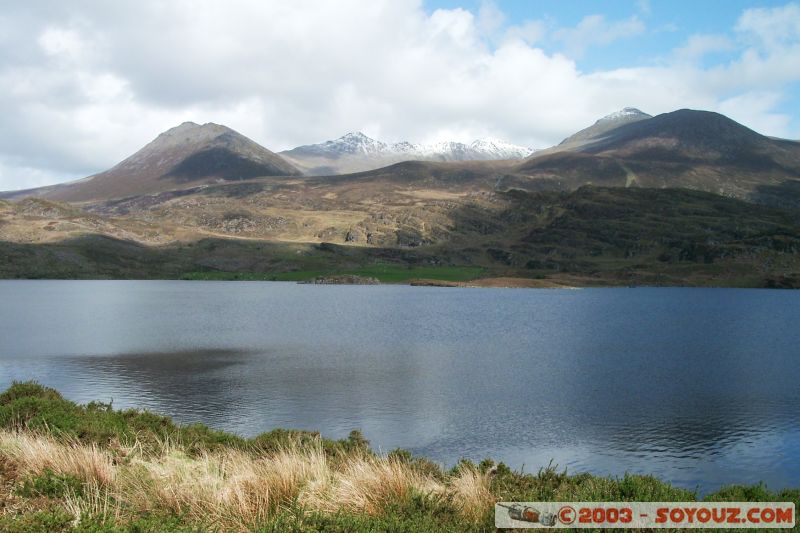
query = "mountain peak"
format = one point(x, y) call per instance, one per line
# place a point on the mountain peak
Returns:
point(189, 133)
point(626, 113)
point(353, 142)
point(604, 125)
point(191, 126)
point(356, 135)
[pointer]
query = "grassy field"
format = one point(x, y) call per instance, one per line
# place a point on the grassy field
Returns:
point(69, 467)
point(386, 273)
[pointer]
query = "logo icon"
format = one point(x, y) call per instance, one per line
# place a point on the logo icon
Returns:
point(566, 515)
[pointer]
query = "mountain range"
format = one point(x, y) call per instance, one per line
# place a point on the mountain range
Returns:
point(694, 149)
point(355, 152)
point(687, 197)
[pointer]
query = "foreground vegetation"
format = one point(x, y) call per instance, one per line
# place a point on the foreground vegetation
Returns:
point(65, 466)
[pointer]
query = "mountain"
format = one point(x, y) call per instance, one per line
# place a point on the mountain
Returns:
point(356, 152)
point(686, 148)
point(189, 154)
point(607, 206)
point(603, 126)
point(693, 136)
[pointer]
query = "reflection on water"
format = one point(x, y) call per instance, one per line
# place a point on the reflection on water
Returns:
point(696, 386)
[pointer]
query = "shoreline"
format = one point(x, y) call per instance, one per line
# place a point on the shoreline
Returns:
point(64, 465)
point(479, 283)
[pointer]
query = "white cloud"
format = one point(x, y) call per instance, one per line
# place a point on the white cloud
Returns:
point(771, 27)
point(490, 18)
point(530, 31)
point(84, 84)
point(755, 110)
point(595, 30)
point(700, 45)
point(14, 175)
point(62, 42)
point(767, 61)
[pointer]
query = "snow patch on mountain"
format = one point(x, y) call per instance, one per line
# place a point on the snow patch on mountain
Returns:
point(626, 113)
point(358, 144)
point(500, 149)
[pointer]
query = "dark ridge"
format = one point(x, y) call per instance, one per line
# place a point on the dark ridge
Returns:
point(220, 163)
point(313, 150)
point(784, 195)
point(577, 165)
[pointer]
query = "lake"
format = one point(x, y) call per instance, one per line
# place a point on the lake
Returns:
point(699, 387)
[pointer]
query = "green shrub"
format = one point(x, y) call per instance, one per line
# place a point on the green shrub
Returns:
point(35, 407)
point(51, 485)
point(420, 464)
point(51, 520)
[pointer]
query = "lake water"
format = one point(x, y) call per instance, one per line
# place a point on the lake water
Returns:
point(700, 387)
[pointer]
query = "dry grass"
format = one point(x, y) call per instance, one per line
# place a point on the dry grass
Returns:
point(32, 454)
point(230, 488)
point(368, 485)
point(471, 494)
point(234, 490)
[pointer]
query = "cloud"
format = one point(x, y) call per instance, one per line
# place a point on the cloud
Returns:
point(595, 30)
point(14, 175)
point(490, 18)
point(771, 28)
point(530, 31)
point(770, 46)
point(700, 45)
point(755, 110)
point(83, 84)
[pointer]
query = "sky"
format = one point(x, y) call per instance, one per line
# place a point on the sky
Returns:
point(85, 83)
